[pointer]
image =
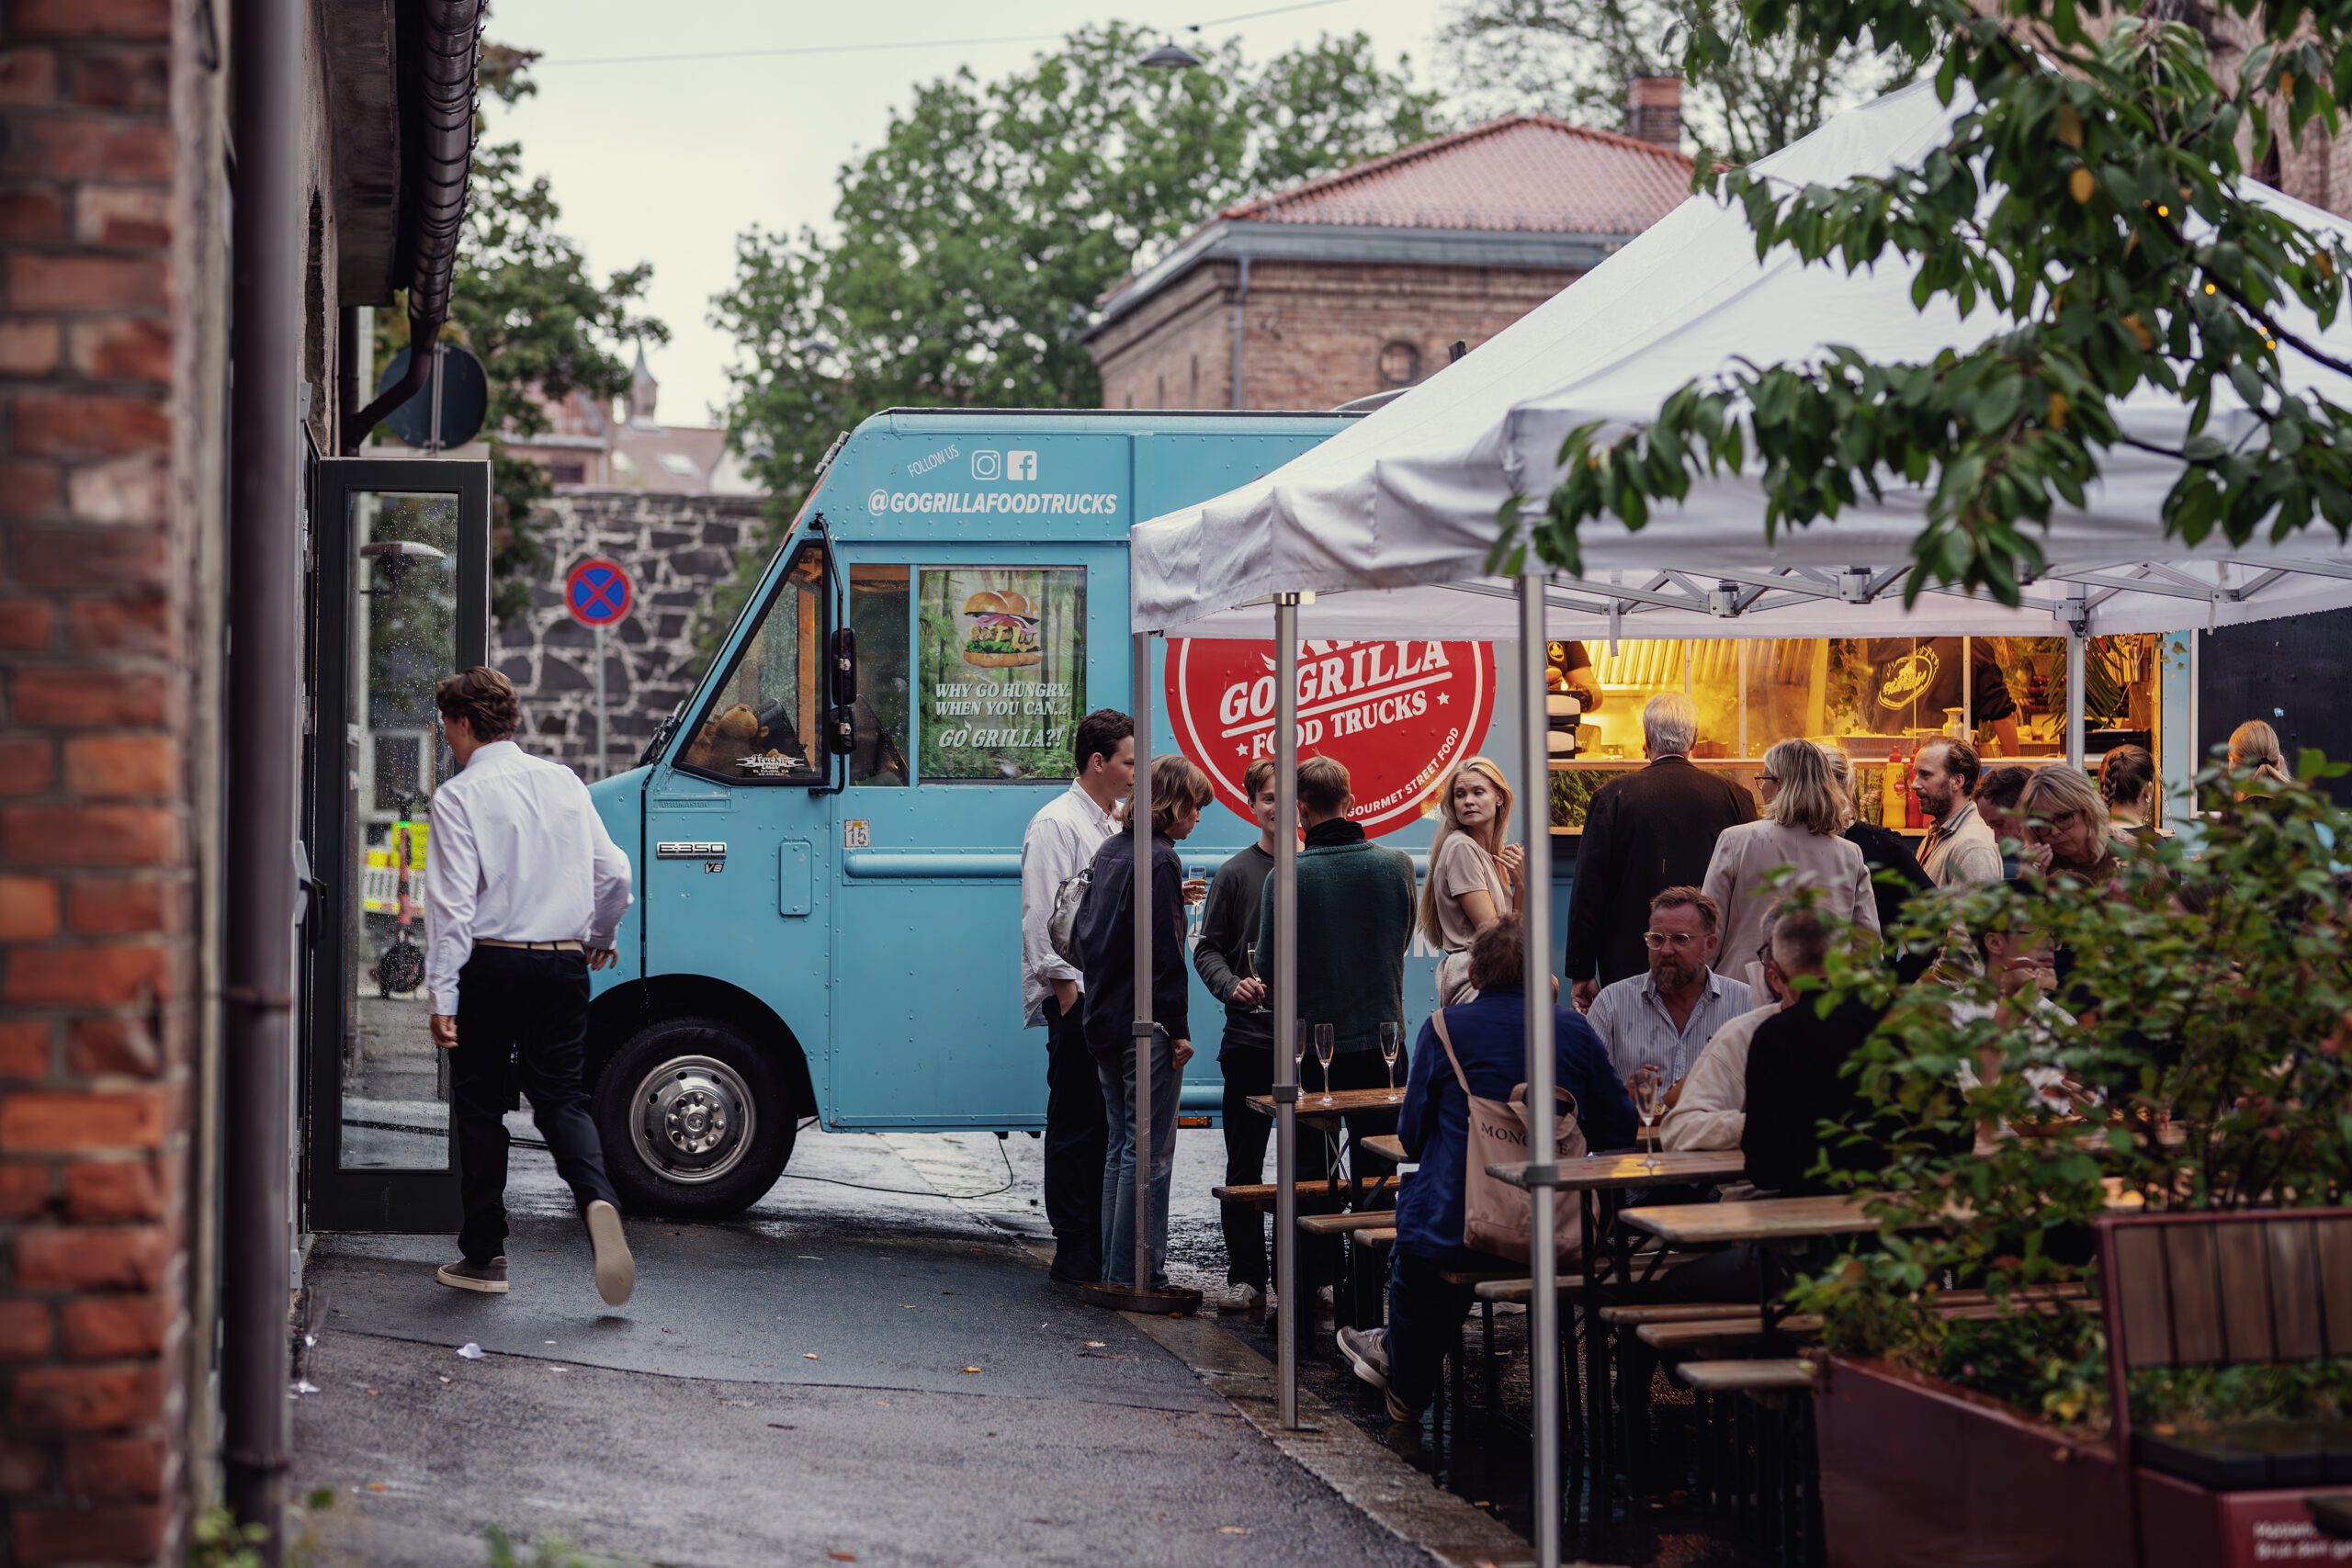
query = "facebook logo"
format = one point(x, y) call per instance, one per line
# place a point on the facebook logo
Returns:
point(1021, 465)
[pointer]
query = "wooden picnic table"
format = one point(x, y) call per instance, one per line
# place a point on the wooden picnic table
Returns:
point(1621, 1170)
point(1760, 1219)
point(1313, 1110)
point(1386, 1145)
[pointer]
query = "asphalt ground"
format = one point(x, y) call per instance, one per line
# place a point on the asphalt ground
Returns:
point(843, 1374)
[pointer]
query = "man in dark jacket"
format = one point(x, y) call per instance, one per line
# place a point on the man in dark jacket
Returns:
point(1648, 832)
point(1487, 1035)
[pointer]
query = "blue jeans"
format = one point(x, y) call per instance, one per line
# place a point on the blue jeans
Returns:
point(1119, 1077)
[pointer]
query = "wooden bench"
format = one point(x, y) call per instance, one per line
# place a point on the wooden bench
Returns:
point(1520, 1291)
point(1712, 1332)
point(1775, 1375)
point(2220, 1288)
point(1261, 1194)
point(1343, 1224)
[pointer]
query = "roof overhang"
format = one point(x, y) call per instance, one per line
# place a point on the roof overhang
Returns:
point(360, 41)
point(1234, 239)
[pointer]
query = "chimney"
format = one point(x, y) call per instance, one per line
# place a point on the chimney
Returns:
point(1654, 110)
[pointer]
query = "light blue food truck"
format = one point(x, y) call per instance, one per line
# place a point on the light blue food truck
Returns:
point(826, 835)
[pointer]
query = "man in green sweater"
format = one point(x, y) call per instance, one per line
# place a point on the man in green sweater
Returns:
point(1355, 919)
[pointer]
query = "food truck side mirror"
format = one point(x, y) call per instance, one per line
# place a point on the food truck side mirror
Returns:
point(842, 668)
point(841, 731)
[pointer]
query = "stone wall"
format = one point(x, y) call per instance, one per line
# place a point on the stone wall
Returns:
point(678, 550)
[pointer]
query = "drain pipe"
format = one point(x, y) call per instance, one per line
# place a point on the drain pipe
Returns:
point(264, 692)
point(433, 197)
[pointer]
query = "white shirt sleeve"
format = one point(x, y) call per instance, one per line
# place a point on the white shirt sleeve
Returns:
point(452, 882)
point(1049, 856)
point(1712, 1112)
point(610, 878)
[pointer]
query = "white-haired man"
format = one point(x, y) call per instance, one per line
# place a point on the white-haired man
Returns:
point(1651, 829)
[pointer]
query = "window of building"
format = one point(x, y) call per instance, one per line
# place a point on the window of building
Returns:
point(568, 473)
point(1400, 364)
point(681, 465)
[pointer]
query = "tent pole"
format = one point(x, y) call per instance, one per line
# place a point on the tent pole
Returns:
point(2074, 693)
point(1535, 841)
point(1284, 998)
point(1140, 826)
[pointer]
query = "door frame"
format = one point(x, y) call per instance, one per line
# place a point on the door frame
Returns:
point(368, 1200)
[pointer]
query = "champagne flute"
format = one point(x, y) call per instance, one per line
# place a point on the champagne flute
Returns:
point(1392, 1040)
point(1649, 1102)
point(1324, 1044)
point(1257, 971)
point(1299, 1037)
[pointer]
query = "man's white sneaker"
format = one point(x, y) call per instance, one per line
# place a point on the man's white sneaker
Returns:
point(615, 1269)
point(1240, 1298)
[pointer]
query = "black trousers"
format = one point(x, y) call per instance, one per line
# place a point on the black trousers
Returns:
point(1077, 1140)
point(1424, 1311)
point(1250, 1070)
point(522, 1024)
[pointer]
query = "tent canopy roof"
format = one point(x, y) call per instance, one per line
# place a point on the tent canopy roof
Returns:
point(1389, 523)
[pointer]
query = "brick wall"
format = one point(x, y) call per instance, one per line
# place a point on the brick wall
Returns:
point(1313, 331)
point(107, 161)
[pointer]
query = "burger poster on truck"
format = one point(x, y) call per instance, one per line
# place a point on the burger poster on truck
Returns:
point(1003, 682)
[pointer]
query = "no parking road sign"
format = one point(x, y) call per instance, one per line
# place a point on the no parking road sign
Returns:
point(598, 593)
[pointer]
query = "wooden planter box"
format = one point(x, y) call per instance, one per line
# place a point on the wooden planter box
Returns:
point(1918, 1473)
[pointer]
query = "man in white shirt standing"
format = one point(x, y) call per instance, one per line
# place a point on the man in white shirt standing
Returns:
point(1060, 842)
point(523, 894)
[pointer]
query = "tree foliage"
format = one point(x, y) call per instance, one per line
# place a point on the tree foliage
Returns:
point(543, 325)
point(2091, 195)
point(969, 248)
point(1574, 58)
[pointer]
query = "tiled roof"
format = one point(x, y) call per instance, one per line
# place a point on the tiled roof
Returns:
point(1522, 173)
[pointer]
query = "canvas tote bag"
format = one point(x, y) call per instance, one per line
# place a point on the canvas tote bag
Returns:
point(1496, 1216)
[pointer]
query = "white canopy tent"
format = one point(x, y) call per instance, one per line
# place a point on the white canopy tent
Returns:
point(1385, 529)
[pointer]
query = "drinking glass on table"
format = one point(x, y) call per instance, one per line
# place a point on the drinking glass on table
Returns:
point(1325, 1043)
point(1392, 1040)
point(1648, 1083)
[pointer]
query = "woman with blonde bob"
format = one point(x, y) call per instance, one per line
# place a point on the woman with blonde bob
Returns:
point(2066, 821)
point(1804, 813)
point(1474, 875)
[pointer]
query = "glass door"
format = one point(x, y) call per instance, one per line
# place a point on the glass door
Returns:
point(400, 598)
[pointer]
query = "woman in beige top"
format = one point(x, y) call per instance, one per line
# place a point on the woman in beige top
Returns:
point(1804, 813)
point(1474, 875)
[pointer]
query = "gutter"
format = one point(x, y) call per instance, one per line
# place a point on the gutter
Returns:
point(264, 689)
point(445, 41)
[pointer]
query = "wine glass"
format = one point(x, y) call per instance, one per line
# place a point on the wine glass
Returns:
point(1257, 971)
point(1648, 1085)
point(1392, 1040)
point(1299, 1037)
point(1324, 1046)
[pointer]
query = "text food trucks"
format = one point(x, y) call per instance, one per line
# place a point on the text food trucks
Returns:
point(826, 834)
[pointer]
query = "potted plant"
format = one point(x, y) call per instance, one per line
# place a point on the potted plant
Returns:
point(2174, 1036)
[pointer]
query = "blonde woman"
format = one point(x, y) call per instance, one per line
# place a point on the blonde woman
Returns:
point(2254, 749)
point(1804, 813)
point(2067, 823)
point(1473, 877)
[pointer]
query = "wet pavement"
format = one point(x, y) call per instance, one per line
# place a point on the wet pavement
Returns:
point(843, 1374)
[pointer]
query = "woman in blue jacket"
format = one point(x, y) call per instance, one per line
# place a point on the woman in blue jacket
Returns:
point(1105, 932)
point(1489, 1038)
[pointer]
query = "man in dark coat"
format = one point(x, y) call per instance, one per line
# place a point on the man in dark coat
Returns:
point(1649, 831)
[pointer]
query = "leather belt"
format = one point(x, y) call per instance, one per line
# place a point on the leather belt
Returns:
point(533, 946)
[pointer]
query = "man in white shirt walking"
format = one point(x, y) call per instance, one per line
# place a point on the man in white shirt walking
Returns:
point(523, 894)
point(1060, 842)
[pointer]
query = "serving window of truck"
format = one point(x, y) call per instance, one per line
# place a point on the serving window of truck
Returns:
point(1878, 699)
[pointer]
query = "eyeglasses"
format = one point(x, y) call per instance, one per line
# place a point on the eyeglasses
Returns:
point(1768, 778)
point(1656, 940)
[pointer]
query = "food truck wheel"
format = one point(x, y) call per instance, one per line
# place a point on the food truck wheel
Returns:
point(695, 1120)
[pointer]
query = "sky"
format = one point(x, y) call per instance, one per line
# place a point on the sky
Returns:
point(666, 161)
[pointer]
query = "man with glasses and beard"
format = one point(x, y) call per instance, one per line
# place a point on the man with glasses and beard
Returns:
point(1667, 1015)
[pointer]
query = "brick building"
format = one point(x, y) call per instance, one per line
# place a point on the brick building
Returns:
point(125, 769)
point(1357, 283)
point(588, 446)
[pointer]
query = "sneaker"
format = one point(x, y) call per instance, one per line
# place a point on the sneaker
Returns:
point(489, 1278)
point(1240, 1298)
point(615, 1269)
point(1325, 1295)
point(1367, 1351)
